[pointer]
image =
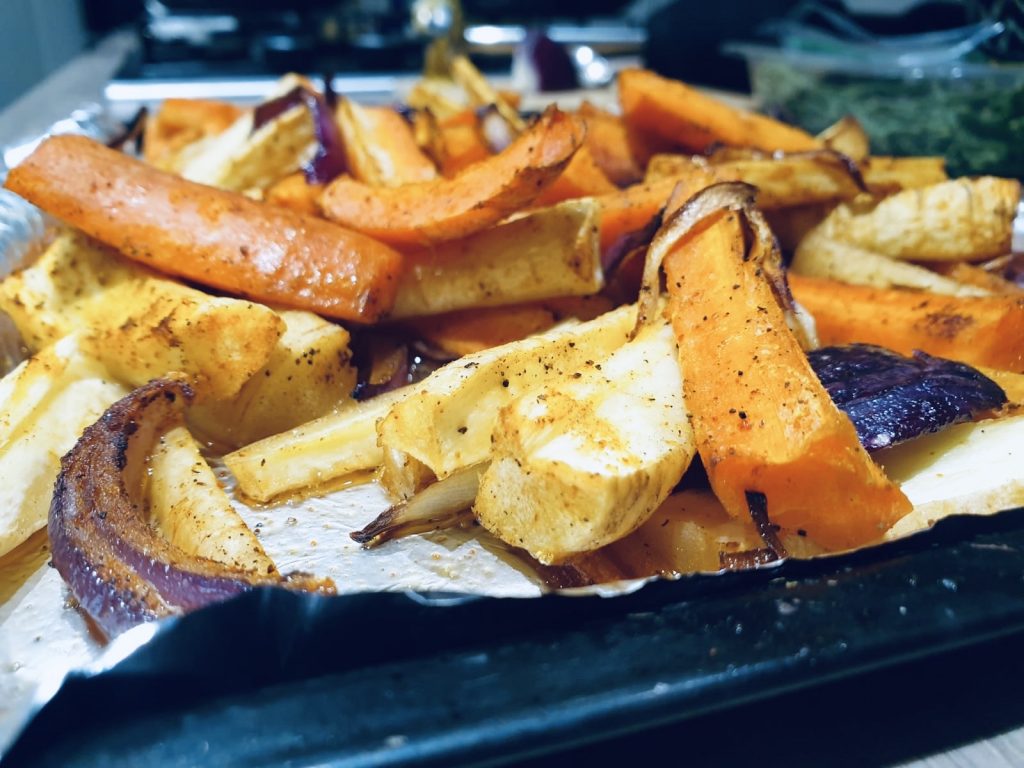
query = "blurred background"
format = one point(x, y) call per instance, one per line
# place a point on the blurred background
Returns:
point(942, 77)
point(182, 38)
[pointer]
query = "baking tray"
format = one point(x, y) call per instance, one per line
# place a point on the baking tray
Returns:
point(433, 679)
point(275, 677)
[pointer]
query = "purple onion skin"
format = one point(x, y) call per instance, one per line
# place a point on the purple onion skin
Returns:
point(1014, 270)
point(550, 61)
point(120, 570)
point(329, 160)
point(891, 398)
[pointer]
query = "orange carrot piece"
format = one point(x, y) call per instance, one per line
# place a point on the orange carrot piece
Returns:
point(978, 330)
point(482, 195)
point(630, 209)
point(181, 121)
point(581, 178)
point(462, 145)
point(673, 110)
point(609, 145)
point(293, 191)
point(208, 235)
point(763, 421)
point(466, 331)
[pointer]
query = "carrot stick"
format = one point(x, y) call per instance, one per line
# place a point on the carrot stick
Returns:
point(208, 235)
point(581, 178)
point(181, 121)
point(466, 331)
point(482, 195)
point(978, 330)
point(295, 192)
point(463, 145)
point(609, 144)
point(763, 421)
point(673, 110)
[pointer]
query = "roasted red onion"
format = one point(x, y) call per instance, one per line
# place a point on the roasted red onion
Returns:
point(891, 398)
point(120, 570)
point(549, 64)
point(329, 160)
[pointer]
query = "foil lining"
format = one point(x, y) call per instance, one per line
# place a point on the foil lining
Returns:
point(43, 637)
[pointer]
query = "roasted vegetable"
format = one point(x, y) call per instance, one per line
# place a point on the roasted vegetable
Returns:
point(891, 398)
point(978, 330)
point(763, 421)
point(214, 237)
point(481, 195)
point(585, 459)
point(119, 569)
point(683, 115)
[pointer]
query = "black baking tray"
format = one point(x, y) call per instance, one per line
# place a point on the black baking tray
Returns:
point(279, 678)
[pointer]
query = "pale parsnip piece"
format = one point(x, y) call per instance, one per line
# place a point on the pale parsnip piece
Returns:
point(586, 459)
point(241, 159)
point(970, 468)
point(545, 254)
point(376, 140)
point(442, 96)
point(307, 376)
point(315, 453)
point(962, 219)
point(445, 424)
point(848, 136)
point(191, 510)
point(45, 403)
point(885, 175)
point(139, 324)
point(783, 182)
point(818, 255)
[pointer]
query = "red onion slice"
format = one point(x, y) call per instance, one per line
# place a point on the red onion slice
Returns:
point(329, 160)
point(121, 571)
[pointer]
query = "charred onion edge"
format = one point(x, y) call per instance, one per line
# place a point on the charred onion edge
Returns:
point(757, 505)
point(120, 570)
point(718, 154)
point(444, 504)
point(724, 196)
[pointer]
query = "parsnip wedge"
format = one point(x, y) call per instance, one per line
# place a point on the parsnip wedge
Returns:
point(141, 325)
point(586, 459)
point(191, 510)
point(961, 219)
point(818, 255)
point(45, 403)
point(545, 254)
point(241, 158)
point(308, 375)
point(970, 468)
point(446, 423)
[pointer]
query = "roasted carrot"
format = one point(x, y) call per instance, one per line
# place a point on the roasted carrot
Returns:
point(208, 235)
point(461, 144)
point(674, 111)
point(466, 331)
point(763, 421)
point(609, 145)
point(581, 178)
point(181, 121)
point(979, 330)
point(295, 192)
point(483, 194)
point(627, 210)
